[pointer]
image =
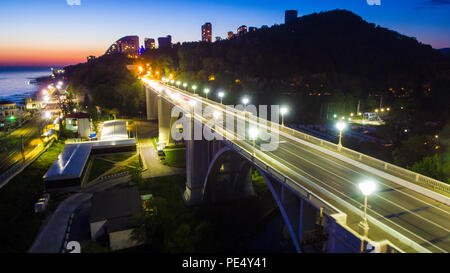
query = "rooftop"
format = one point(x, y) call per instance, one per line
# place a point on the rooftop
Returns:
point(70, 163)
point(117, 206)
point(114, 129)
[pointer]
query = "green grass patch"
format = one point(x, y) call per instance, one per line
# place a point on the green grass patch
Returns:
point(154, 141)
point(99, 167)
point(175, 158)
point(18, 222)
point(135, 162)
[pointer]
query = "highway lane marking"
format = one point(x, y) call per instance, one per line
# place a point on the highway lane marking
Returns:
point(381, 197)
point(405, 212)
point(296, 173)
point(365, 175)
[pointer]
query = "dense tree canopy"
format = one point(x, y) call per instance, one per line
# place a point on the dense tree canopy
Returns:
point(107, 83)
point(335, 54)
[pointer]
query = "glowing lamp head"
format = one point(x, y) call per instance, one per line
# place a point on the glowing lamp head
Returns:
point(221, 94)
point(245, 101)
point(341, 126)
point(253, 132)
point(206, 90)
point(194, 87)
point(184, 84)
point(178, 83)
point(367, 187)
point(283, 110)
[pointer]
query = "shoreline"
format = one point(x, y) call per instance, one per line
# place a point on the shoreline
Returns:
point(38, 82)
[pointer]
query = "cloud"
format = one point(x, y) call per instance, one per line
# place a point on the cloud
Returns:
point(73, 2)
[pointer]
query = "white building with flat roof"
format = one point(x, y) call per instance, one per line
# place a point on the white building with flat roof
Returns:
point(114, 129)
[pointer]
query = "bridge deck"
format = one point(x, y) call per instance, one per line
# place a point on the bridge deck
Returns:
point(393, 207)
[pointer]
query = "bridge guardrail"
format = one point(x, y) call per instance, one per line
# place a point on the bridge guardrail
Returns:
point(417, 178)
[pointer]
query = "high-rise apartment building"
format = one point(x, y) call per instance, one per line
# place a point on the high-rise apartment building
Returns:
point(127, 45)
point(149, 43)
point(290, 16)
point(165, 41)
point(207, 33)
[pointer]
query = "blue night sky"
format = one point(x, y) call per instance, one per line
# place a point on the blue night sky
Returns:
point(54, 32)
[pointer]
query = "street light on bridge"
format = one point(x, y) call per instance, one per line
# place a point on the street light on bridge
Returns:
point(367, 188)
point(206, 90)
point(245, 101)
point(283, 110)
point(340, 126)
point(253, 133)
point(194, 87)
point(221, 94)
point(185, 85)
point(178, 83)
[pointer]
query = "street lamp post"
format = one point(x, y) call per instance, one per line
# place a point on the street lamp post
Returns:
point(340, 126)
point(194, 87)
point(253, 132)
point(185, 85)
point(367, 188)
point(283, 110)
point(221, 94)
point(245, 101)
point(206, 90)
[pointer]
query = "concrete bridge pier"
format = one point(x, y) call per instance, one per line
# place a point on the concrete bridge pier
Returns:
point(165, 122)
point(151, 104)
point(198, 156)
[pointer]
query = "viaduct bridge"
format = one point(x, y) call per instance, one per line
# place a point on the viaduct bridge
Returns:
point(314, 182)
